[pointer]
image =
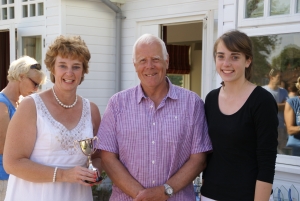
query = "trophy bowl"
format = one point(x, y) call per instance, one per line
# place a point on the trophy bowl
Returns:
point(88, 147)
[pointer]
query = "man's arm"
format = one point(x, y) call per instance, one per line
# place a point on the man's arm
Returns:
point(184, 176)
point(281, 106)
point(119, 174)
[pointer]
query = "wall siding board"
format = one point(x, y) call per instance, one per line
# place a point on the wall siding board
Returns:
point(171, 9)
point(100, 75)
point(52, 11)
point(87, 92)
point(52, 3)
point(52, 29)
point(96, 83)
point(52, 20)
point(101, 49)
point(97, 40)
point(92, 31)
point(101, 67)
point(31, 24)
point(91, 22)
point(154, 4)
point(72, 11)
point(102, 58)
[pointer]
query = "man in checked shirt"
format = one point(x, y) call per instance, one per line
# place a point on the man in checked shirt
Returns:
point(153, 137)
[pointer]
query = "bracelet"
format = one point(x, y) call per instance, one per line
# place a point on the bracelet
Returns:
point(54, 175)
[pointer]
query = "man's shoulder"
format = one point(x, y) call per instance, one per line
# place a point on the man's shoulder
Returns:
point(182, 92)
point(283, 90)
point(125, 93)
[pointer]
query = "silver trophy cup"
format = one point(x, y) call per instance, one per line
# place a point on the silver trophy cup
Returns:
point(88, 147)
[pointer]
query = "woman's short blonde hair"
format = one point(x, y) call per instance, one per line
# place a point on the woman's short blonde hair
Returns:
point(67, 47)
point(22, 66)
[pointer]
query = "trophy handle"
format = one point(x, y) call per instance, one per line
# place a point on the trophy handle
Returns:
point(95, 143)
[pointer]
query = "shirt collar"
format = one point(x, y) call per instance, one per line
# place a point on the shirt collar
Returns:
point(171, 93)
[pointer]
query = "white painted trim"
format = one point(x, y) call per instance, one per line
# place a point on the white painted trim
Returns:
point(290, 160)
point(12, 42)
point(271, 30)
point(207, 57)
point(32, 31)
point(187, 81)
point(266, 20)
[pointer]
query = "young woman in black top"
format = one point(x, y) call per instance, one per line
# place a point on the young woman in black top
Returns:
point(242, 124)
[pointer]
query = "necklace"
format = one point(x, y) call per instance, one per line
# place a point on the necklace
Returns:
point(63, 105)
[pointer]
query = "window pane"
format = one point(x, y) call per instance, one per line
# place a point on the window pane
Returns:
point(4, 13)
point(40, 9)
point(4, 2)
point(176, 79)
point(32, 46)
point(32, 10)
point(254, 8)
point(11, 1)
point(280, 7)
point(278, 55)
point(11, 12)
point(298, 7)
point(25, 11)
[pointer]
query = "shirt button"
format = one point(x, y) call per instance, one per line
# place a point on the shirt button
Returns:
point(175, 117)
point(153, 182)
point(153, 124)
point(153, 142)
point(151, 106)
point(153, 162)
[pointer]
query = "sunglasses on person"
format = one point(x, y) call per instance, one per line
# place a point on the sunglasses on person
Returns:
point(36, 85)
point(36, 66)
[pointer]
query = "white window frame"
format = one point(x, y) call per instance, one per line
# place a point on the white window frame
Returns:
point(270, 25)
point(266, 19)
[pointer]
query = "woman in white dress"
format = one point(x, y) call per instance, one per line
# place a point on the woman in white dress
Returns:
point(40, 150)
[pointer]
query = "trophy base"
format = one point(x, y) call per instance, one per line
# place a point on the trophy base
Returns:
point(97, 180)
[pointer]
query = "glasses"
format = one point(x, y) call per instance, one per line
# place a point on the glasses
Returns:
point(36, 66)
point(36, 85)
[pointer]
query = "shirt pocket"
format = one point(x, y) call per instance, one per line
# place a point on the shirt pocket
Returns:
point(174, 128)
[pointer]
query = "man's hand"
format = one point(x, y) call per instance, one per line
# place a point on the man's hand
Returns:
point(152, 194)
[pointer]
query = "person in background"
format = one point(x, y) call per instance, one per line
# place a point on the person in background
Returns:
point(24, 78)
point(40, 151)
point(292, 89)
point(153, 136)
point(280, 95)
point(242, 124)
point(292, 121)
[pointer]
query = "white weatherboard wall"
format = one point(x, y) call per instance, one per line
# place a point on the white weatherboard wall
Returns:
point(147, 15)
point(95, 23)
point(52, 30)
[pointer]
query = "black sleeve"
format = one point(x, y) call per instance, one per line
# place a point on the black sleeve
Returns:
point(266, 123)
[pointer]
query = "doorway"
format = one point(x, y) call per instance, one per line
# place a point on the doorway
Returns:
point(4, 58)
point(184, 44)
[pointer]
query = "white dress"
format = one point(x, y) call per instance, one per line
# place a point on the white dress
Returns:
point(55, 147)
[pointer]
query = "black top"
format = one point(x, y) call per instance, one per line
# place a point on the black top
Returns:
point(244, 146)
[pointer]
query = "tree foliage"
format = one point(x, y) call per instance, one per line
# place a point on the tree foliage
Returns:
point(262, 48)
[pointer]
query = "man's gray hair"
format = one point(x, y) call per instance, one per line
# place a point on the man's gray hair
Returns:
point(149, 39)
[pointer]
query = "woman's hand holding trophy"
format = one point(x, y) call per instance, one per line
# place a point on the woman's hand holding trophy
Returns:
point(88, 147)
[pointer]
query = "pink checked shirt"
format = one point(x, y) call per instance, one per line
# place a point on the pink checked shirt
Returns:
point(153, 144)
